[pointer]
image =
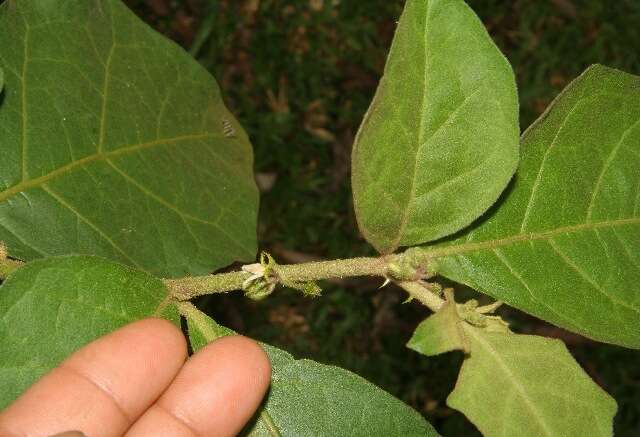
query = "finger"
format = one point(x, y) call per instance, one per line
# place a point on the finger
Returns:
point(215, 393)
point(102, 388)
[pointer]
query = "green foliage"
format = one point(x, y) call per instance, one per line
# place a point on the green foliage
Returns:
point(50, 308)
point(309, 398)
point(528, 386)
point(115, 142)
point(118, 144)
point(440, 333)
point(440, 140)
point(563, 244)
point(345, 47)
point(514, 384)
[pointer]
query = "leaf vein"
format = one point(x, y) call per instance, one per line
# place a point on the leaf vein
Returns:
point(626, 250)
point(174, 208)
point(516, 384)
point(529, 237)
point(514, 273)
point(586, 277)
point(60, 171)
point(89, 223)
point(538, 179)
point(605, 167)
point(636, 204)
point(105, 86)
point(23, 97)
point(421, 144)
point(423, 106)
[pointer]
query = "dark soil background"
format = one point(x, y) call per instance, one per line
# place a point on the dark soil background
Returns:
point(299, 75)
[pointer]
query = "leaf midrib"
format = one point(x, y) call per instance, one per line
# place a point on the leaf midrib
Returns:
point(23, 98)
point(511, 377)
point(405, 213)
point(422, 141)
point(105, 85)
point(98, 156)
point(439, 252)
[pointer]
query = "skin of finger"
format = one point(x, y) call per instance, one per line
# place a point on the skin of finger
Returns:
point(105, 386)
point(216, 392)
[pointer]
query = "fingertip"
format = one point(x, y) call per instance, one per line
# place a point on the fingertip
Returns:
point(242, 357)
point(154, 335)
point(152, 346)
point(112, 380)
point(251, 352)
point(168, 335)
point(216, 392)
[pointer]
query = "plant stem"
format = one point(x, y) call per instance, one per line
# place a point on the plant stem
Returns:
point(186, 308)
point(491, 308)
point(194, 286)
point(422, 294)
point(188, 288)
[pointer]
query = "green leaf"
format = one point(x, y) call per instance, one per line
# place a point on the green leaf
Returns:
point(440, 141)
point(526, 385)
point(440, 332)
point(564, 242)
point(309, 398)
point(115, 142)
point(50, 308)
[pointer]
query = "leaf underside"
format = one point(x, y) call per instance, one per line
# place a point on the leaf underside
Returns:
point(526, 385)
point(564, 242)
point(440, 141)
point(439, 333)
point(309, 398)
point(115, 142)
point(50, 308)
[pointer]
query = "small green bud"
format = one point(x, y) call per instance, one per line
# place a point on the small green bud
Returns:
point(259, 289)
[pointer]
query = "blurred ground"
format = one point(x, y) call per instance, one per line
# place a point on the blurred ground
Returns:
point(299, 75)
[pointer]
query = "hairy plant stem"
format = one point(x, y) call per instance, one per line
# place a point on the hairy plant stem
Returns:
point(186, 308)
point(422, 294)
point(190, 287)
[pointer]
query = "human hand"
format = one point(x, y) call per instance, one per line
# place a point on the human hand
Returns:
point(135, 382)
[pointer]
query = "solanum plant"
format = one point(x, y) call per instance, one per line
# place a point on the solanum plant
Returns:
point(124, 181)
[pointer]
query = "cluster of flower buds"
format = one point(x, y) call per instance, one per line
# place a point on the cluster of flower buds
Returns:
point(264, 277)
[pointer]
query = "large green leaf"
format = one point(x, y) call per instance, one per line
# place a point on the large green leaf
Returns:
point(440, 141)
point(514, 384)
point(564, 243)
point(524, 385)
point(311, 399)
point(114, 142)
point(50, 308)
